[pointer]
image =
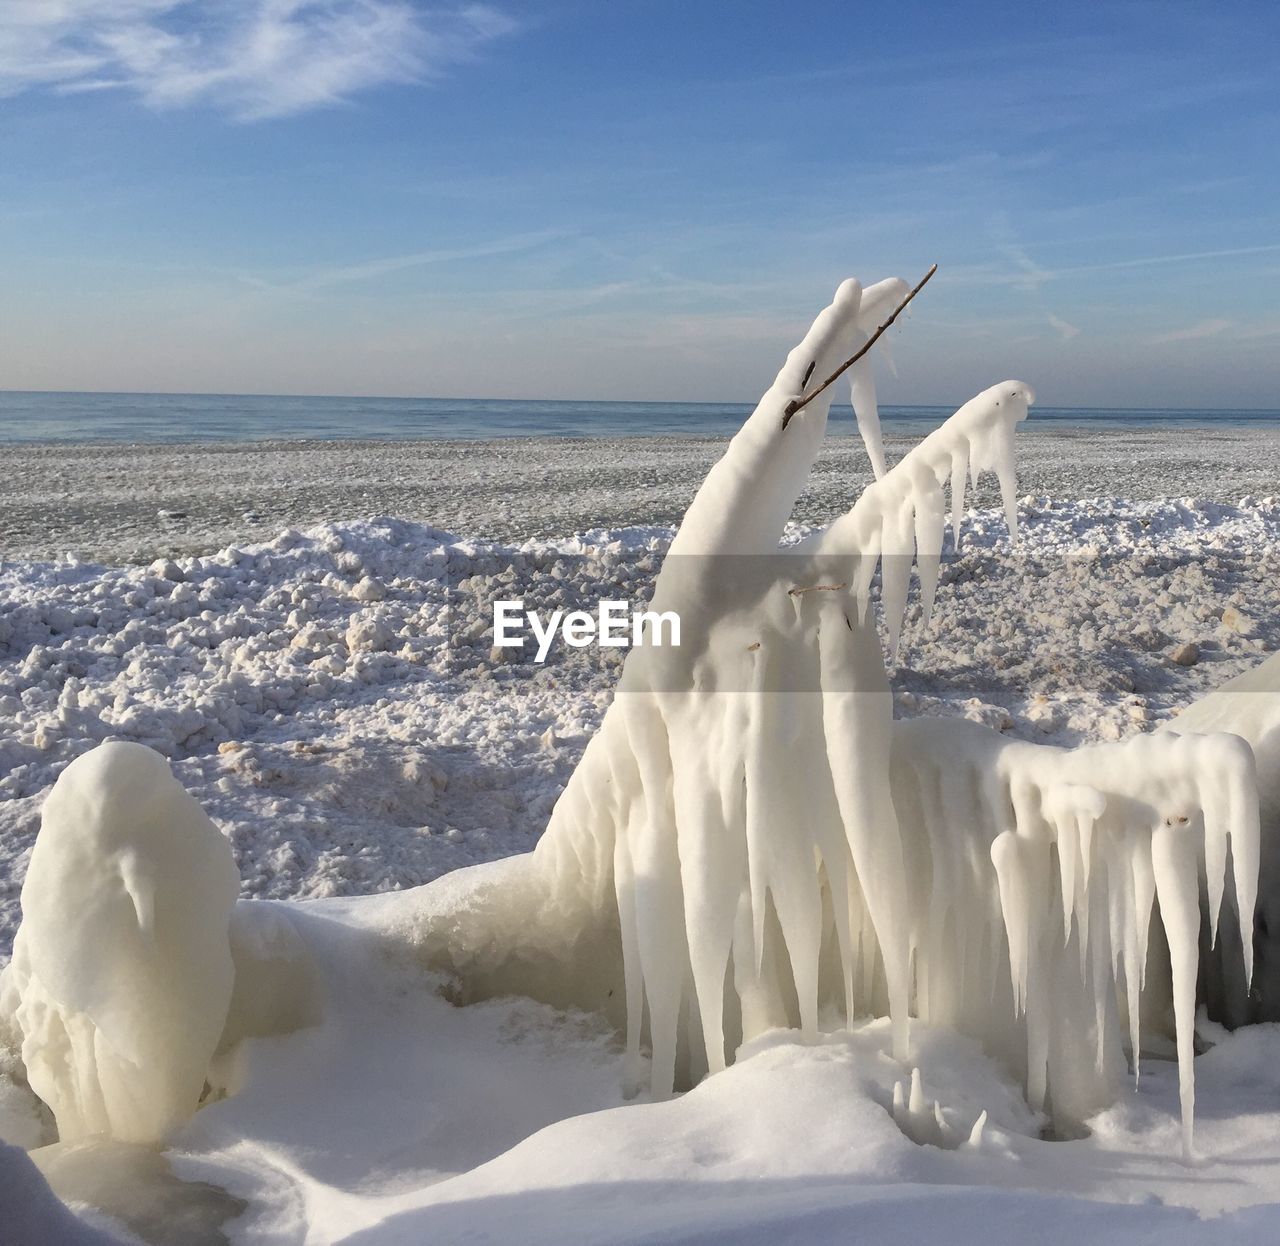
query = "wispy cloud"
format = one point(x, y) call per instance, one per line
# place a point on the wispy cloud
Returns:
point(370, 270)
point(251, 58)
point(1033, 276)
point(1066, 331)
point(989, 275)
point(1192, 333)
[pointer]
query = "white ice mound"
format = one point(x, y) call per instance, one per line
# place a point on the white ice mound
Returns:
point(122, 974)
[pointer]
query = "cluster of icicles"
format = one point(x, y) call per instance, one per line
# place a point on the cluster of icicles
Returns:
point(791, 852)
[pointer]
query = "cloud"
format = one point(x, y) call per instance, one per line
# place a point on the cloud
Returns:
point(974, 275)
point(1032, 275)
point(1193, 333)
point(372, 269)
point(1065, 329)
point(251, 58)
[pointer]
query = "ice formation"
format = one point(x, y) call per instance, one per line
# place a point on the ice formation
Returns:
point(1248, 707)
point(1085, 845)
point(122, 973)
point(748, 842)
point(734, 805)
point(927, 1125)
point(753, 838)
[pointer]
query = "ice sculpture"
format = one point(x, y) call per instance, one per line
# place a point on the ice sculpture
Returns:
point(121, 973)
point(760, 839)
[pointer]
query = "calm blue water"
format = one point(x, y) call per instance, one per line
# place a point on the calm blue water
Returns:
point(230, 417)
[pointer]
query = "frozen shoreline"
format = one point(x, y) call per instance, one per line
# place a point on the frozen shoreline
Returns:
point(332, 700)
point(103, 502)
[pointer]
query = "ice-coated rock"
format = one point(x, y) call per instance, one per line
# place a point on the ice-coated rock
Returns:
point(122, 973)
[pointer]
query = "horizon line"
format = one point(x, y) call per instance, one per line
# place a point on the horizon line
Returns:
point(655, 402)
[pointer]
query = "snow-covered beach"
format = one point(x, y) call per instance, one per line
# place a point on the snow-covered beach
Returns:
point(114, 503)
point(329, 693)
point(549, 691)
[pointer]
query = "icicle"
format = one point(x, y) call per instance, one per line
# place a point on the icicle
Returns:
point(862, 387)
point(959, 477)
point(915, 1104)
point(930, 523)
point(979, 1127)
point(1006, 856)
point(1173, 860)
point(1007, 473)
point(1068, 859)
point(1216, 836)
point(1242, 801)
point(896, 551)
point(712, 869)
point(1144, 896)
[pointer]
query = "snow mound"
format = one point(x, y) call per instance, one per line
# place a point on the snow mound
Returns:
point(122, 973)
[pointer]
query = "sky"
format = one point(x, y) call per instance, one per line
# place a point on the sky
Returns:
point(637, 199)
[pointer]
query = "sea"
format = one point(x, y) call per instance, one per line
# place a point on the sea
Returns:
point(175, 418)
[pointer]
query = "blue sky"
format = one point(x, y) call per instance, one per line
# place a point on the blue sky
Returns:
point(636, 198)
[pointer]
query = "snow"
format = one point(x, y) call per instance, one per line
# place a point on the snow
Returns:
point(737, 884)
point(33, 1214)
point(340, 772)
point(402, 1118)
point(121, 974)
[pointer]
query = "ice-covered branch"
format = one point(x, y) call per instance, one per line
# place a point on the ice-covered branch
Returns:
point(747, 497)
point(901, 518)
point(798, 404)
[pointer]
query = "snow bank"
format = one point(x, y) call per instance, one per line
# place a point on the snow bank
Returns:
point(341, 772)
point(504, 1121)
point(122, 973)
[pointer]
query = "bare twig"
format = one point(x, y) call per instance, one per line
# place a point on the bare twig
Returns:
point(799, 404)
point(816, 588)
